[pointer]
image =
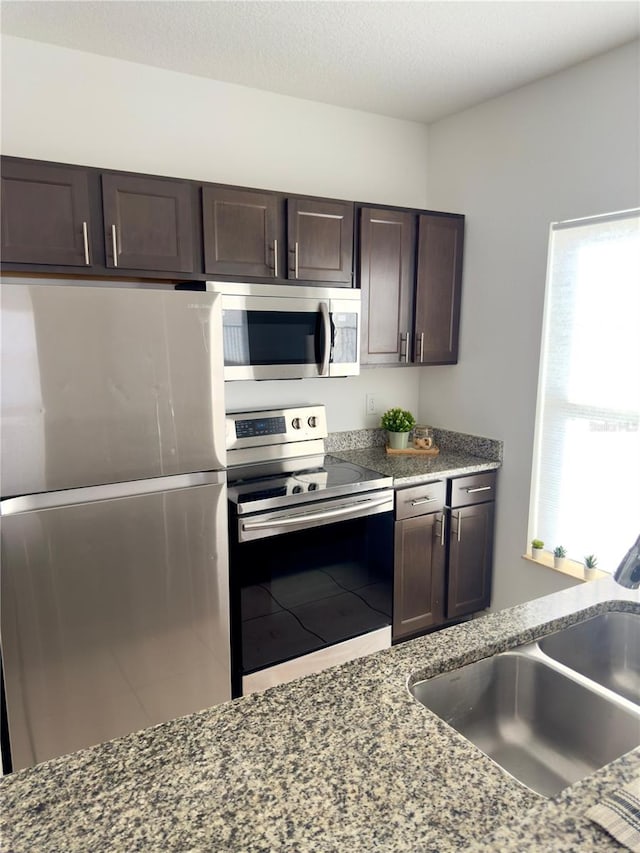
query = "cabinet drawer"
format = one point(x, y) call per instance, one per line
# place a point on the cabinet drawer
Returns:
point(420, 500)
point(475, 489)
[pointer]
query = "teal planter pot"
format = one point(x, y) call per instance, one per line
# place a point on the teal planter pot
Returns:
point(398, 440)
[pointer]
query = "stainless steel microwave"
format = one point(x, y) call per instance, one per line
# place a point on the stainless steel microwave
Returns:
point(288, 332)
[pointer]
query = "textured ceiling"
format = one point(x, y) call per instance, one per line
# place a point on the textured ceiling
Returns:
point(413, 60)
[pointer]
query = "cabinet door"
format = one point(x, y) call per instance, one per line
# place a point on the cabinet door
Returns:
point(148, 223)
point(387, 250)
point(470, 559)
point(438, 286)
point(320, 240)
point(45, 214)
point(418, 586)
point(242, 233)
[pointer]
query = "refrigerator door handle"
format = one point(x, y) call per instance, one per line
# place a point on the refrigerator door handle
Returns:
point(110, 491)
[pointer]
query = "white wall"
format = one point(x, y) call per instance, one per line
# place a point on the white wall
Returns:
point(564, 147)
point(74, 107)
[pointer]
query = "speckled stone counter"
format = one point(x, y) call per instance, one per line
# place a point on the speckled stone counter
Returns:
point(345, 760)
point(460, 454)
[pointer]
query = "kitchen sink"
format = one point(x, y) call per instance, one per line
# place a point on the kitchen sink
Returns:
point(546, 728)
point(605, 649)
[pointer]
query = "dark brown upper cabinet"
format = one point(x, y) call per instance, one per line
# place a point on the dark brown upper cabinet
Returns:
point(410, 274)
point(64, 217)
point(148, 223)
point(45, 214)
point(243, 233)
point(386, 278)
point(320, 240)
point(438, 287)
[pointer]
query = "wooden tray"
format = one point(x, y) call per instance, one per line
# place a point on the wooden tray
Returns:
point(413, 451)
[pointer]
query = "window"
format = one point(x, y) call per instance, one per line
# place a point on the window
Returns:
point(585, 490)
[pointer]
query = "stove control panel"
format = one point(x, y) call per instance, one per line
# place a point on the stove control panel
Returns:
point(254, 427)
point(267, 427)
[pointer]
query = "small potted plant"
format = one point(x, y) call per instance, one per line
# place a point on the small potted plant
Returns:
point(559, 556)
point(590, 567)
point(398, 424)
point(537, 548)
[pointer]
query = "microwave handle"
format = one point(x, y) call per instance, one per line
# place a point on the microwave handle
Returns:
point(323, 368)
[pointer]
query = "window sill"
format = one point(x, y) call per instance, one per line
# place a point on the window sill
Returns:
point(571, 568)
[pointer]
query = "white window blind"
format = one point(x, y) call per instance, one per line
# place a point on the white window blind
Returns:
point(585, 491)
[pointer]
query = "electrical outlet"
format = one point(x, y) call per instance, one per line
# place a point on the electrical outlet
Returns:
point(371, 405)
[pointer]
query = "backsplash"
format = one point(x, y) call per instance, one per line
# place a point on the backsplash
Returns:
point(487, 448)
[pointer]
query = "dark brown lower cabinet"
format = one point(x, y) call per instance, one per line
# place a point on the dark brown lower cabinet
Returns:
point(420, 559)
point(470, 559)
point(418, 586)
point(443, 553)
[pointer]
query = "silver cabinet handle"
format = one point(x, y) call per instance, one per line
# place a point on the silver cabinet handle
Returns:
point(443, 527)
point(407, 349)
point(459, 531)
point(85, 239)
point(115, 245)
point(295, 259)
point(421, 346)
point(479, 489)
point(419, 501)
point(275, 259)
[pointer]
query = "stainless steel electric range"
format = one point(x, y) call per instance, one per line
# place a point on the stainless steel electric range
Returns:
point(311, 549)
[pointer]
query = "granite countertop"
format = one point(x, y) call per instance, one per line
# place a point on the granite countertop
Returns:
point(459, 455)
point(342, 760)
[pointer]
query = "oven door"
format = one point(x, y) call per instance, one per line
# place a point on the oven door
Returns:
point(299, 587)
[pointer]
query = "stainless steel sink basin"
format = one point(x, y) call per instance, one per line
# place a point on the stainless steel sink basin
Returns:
point(546, 729)
point(605, 649)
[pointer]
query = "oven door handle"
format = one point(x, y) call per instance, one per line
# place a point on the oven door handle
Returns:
point(325, 344)
point(308, 518)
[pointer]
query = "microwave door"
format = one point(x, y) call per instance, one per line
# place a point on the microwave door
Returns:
point(275, 338)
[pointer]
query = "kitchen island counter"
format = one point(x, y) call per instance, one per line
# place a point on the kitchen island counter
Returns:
point(342, 760)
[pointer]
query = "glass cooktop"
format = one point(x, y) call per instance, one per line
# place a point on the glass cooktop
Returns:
point(318, 477)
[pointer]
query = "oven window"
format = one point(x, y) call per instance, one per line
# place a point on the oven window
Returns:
point(270, 337)
point(306, 590)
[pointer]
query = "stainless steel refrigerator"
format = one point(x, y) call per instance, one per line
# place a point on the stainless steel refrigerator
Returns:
point(114, 564)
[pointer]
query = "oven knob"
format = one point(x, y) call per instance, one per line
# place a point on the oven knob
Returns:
point(295, 423)
point(312, 421)
point(296, 490)
point(313, 487)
